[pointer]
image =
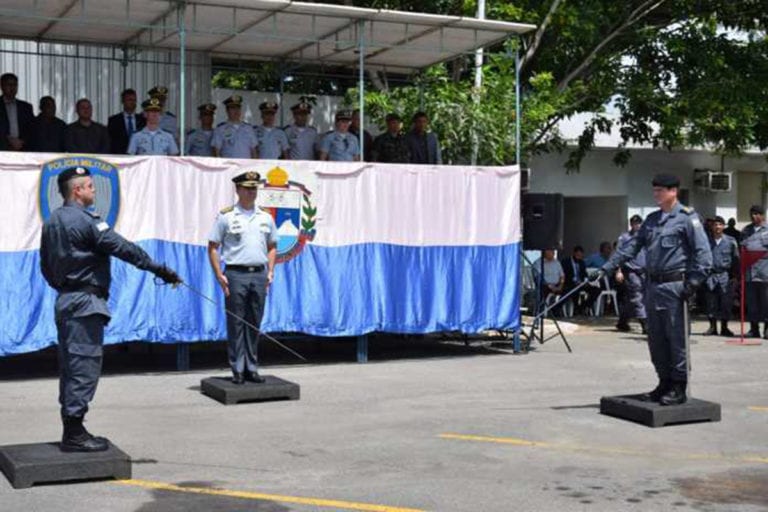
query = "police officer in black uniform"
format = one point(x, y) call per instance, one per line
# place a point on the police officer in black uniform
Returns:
point(718, 290)
point(74, 257)
point(678, 260)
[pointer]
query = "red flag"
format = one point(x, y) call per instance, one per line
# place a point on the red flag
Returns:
point(748, 258)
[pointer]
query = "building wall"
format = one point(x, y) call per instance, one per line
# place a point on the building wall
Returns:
point(600, 182)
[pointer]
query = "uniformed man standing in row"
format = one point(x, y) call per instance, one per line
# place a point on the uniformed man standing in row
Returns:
point(152, 140)
point(273, 143)
point(168, 121)
point(234, 138)
point(340, 145)
point(247, 238)
point(630, 279)
point(302, 138)
point(75, 252)
point(719, 287)
point(199, 140)
point(391, 147)
point(678, 260)
point(754, 237)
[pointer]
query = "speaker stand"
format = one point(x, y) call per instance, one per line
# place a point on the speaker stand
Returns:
point(542, 312)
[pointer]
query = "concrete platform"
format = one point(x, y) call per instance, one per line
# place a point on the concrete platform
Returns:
point(227, 392)
point(652, 414)
point(25, 465)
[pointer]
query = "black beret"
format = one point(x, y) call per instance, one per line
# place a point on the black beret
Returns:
point(756, 208)
point(636, 218)
point(719, 219)
point(666, 180)
point(248, 179)
point(71, 173)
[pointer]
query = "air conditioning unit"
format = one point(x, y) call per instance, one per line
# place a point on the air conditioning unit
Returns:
point(525, 179)
point(713, 181)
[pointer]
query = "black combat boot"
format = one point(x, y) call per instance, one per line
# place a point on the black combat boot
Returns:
point(77, 439)
point(754, 330)
point(642, 325)
point(254, 377)
point(675, 395)
point(712, 331)
point(237, 378)
point(623, 326)
point(724, 330)
point(655, 395)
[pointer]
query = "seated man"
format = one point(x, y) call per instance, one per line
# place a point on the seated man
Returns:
point(553, 280)
point(575, 270)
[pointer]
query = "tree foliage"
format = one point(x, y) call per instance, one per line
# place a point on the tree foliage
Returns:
point(666, 73)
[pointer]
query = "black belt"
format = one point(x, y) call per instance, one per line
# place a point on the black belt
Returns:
point(246, 268)
point(86, 288)
point(667, 278)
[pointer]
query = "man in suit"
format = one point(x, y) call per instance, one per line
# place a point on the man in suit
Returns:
point(121, 126)
point(17, 119)
point(575, 271)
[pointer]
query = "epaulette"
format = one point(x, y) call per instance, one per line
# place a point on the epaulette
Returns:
point(687, 209)
point(93, 213)
point(221, 124)
point(227, 209)
point(171, 114)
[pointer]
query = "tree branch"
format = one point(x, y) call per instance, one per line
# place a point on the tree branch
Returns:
point(534, 47)
point(642, 11)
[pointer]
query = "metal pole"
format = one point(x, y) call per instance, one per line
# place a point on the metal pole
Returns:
point(182, 77)
point(517, 105)
point(361, 85)
point(478, 84)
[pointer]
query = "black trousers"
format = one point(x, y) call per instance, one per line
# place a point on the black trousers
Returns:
point(80, 352)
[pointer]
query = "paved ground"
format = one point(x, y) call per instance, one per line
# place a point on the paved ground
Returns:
point(424, 426)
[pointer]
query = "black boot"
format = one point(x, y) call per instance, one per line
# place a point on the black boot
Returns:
point(754, 330)
point(655, 395)
point(623, 326)
point(77, 439)
point(712, 331)
point(237, 378)
point(254, 377)
point(642, 325)
point(724, 330)
point(675, 395)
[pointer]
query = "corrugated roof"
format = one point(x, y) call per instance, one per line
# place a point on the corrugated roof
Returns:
point(279, 30)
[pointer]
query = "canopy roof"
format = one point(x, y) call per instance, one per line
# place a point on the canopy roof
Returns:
point(279, 30)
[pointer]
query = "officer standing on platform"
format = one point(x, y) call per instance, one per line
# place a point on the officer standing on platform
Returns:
point(152, 140)
point(754, 237)
point(199, 140)
point(248, 240)
point(302, 138)
point(631, 280)
point(75, 252)
point(234, 138)
point(340, 145)
point(273, 143)
point(168, 121)
point(718, 289)
point(678, 260)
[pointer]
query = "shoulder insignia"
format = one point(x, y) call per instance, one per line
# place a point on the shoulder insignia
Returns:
point(170, 114)
point(227, 209)
point(93, 213)
point(687, 209)
point(221, 124)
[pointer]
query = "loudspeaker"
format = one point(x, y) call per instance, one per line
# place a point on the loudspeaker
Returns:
point(542, 222)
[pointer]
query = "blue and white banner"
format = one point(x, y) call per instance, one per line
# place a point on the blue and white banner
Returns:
point(362, 247)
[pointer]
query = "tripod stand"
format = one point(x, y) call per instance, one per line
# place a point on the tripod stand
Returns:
point(543, 310)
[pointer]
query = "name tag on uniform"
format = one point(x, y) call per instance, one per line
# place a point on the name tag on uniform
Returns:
point(102, 226)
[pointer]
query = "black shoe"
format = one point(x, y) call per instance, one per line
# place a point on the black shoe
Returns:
point(237, 378)
point(254, 377)
point(656, 394)
point(712, 331)
point(752, 334)
point(623, 327)
point(725, 331)
point(675, 395)
point(642, 326)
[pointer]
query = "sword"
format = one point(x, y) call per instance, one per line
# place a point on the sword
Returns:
point(562, 299)
point(687, 349)
point(246, 322)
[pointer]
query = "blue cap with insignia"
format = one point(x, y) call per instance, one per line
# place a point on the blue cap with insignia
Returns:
point(666, 180)
point(233, 101)
point(152, 105)
point(268, 106)
point(207, 108)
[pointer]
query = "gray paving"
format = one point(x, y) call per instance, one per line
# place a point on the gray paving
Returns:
point(371, 434)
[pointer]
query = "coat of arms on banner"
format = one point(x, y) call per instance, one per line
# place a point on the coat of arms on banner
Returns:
point(290, 205)
point(105, 180)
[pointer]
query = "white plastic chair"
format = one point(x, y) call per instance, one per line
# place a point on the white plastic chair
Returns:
point(605, 294)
